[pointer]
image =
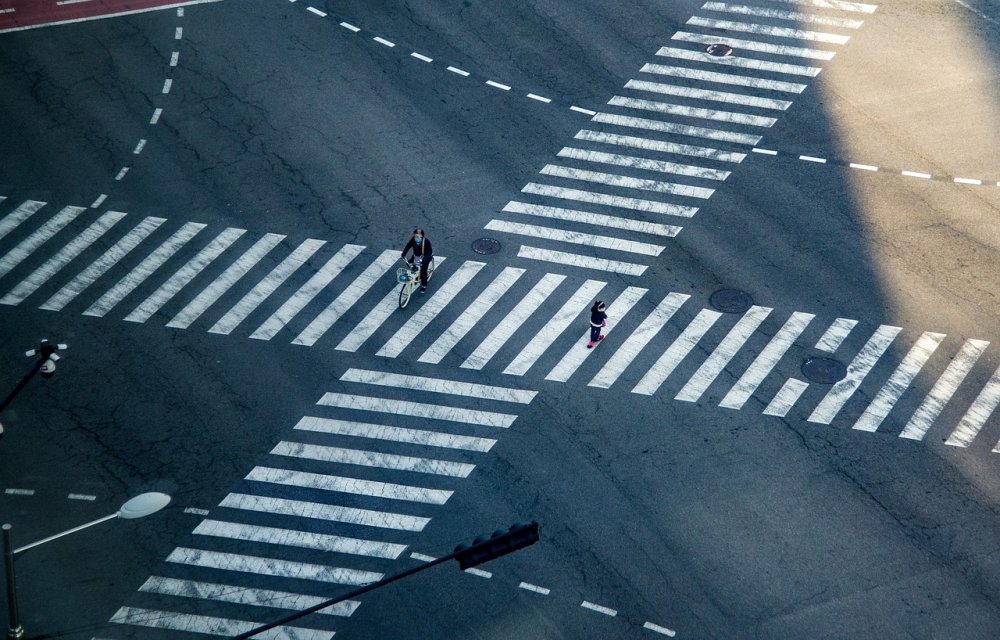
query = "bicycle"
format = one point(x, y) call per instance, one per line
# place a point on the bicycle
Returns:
point(410, 277)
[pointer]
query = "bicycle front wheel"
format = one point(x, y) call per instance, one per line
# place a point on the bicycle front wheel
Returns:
point(404, 295)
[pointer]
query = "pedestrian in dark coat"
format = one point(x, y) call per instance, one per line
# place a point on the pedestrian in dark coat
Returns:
point(598, 320)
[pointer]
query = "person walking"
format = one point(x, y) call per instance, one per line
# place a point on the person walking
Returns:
point(598, 320)
point(421, 247)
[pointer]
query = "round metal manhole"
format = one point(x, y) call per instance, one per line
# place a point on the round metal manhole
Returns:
point(719, 49)
point(731, 300)
point(486, 246)
point(824, 370)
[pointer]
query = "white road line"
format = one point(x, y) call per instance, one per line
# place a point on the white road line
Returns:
point(642, 335)
point(260, 292)
point(225, 281)
point(967, 181)
point(692, 112)
point(539, 98)
point(307, 292)
point(668, 361)
point(634, 204)
point(178, 33)
point(577, 354)
point(420, 56)
point(942, 391)
point(430, 309)
point(64, 256)
point(835, 335)
point(174, 58)
point(658, 629)
point(899, 381)
point(598, 608)
point(916, 174)
point(767, 152)
point(813, 159)
point(295, 538)
point(484, 302)
point(39, 237)
point(582, 110)
point(786, 398)
point(167, 84)
point(502, 87)
point(503, 331)
point(766, 361)
point(575, 237)
point(577, 260)
point(19, 492)
point(439, 385)
point(24, 211)
point(362, 458)
point(527, 586)
point(381, 40)
point(839, 5)
point(210, 625)
point(197, 512)
point(650, 144)
point(81, 496)
point(350, 27)
point(646, 164)
point(395, 434)
point(244, 595)
point(342, 303)
point(753, 45)
point(595, 219)
point(417, 409)
point(974, 419)
point(479, 572)
point(710, 95)
point(741, 62)
point(143, 270)
point(316, 11)
point(723, 78)
point(139, 147)
point(841, 392)
point(271, 567)
point(320, 511)
point(794, 16)
point(577, 304)
point(422, 557)
point(157, 112)
point(458, 71)
point(184, 275)
point(121, 174)
point(715, 363)
point(99, 201)
point(99, 267)
point(679, 129)
point(768, 30)
point(616, 180)
point(353, 486)
point(866, 167)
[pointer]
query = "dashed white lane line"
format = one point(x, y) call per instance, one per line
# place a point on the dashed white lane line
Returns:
point(583, 111)
point(316, 11)
point(19, 492)
point(157, 112)
point(174, 57)
point(178, 33)
point(916, 174)
point(382, 40)
point(539, 98)
point(458, 71)
point(422, 557)
point(527, 586)
point(658, 629)
point(586, 604)
point(350, 27)
point(420, 56)
point(498, 85)
point(167, 84)
point(100, 199)
point(479, 572)
point(81, 496)
point(813, 159)
point(121, 174)
point(197, 512)
point(863, 167)
point(139, 146)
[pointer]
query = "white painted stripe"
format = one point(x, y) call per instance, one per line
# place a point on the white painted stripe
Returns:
point(178, 33)
point(143, 270)
point(157, 112)
point(430, 309)
point(740, 61)
point(376, 317)
point(974, 419)
point(768, 30)
point(167, 84)
point(353, 486)
point(582, 110)
point(835, 335)
point(479, 572)
point(39, 237)
point(707, 94)
point(197, 512)
point(19, 492)
point(692, 112)
point(643, 163)
point(575, 237)
point(139, 147)
point(715, 363)
point(420, 56)
point(786, 398)
point(598, 608)
point(99, 201)
point(350, 27)
point(210, 625)
point(942, 391)
point(498, 85)
point(679, 129)
point(596, 219)
point(13, 219)
point(841, 392)
point(616, 180)
point(968, 181)
point(650, 144)
point(916, 174)
point(233, 273)
point(723, 78)
point(99, 267)
point(81, 496)
point(271, 567)
point(527, 586)
point(458, 71)
point(174, 58)
point(504, 330)
point(418, 409)
point(381, 40)
point(342, 303)
point(642, 335)
point(184, 275)
point(316, 11)
point(362, 458)
point(795, 16)
point(766, 152)
point(539, 98)
point(753, 45)
point(766, 360)
point(658, 629)
point(422, 557)
point(303, 539)
point(472, 315)
point(634, 204)
point(64, 256)
point(266, 287)
point(578, 303)
point(866, 167)
point(577, 260)
point(320, 511)
point(676, 352)
point(577, 354)
point(307, 292)
point(899, 381)
point(244, 595)
point(440, 385)
point(813, 159)
point(839, 5)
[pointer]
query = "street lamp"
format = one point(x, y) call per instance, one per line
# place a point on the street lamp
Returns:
point(137, 507)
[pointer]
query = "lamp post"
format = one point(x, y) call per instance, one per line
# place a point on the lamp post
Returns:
point(139, 506)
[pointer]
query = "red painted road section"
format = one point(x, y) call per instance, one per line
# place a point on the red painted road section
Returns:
point(16, 15)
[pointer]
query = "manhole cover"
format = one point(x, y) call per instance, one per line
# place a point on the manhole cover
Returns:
point(719, 49)
point(731, 300)
point(824, 370)
point(486, 246)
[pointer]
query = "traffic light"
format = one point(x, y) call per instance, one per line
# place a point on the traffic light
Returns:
point(500, 543)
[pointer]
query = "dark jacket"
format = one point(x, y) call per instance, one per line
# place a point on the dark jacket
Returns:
point(597, 318)
point(423, 249)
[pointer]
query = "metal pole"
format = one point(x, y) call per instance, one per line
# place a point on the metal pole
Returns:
point(23, 382)
point(15, 630)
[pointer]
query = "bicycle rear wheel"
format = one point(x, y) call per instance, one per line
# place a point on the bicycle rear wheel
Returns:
point(404, 295)
point(430, 269)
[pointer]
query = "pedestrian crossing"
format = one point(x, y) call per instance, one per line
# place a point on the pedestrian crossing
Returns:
point(672, 137)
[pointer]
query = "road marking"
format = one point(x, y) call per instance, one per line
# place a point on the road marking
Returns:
point(835, 335)
point(942, 391)
point(595, 219)
point(316, 11)
point(539, 98)
point(582, 110)
point(303, 539)
point(723, 78)
point(271, 567)
point(211, 625)
point(353, 486)
point(974, 419)
point(679, 129)
point(81, 496)
point(967, 181)
point(479, 572)
point(395, 434)
point(139, 147)
point(197, 512)
point(244, 595)
point(39, 237)
point(768, 30)
point(865, 167)
point(14, 219)
point(458, 71)
point(767, 152)
point(417, 409)
point(167, 84)
point(19, 492)
point(384, 41)
point(634, 204)
point(793, 16)
point(121, 174)
point(598, 608)
point(363, 458)
point(178, 33)
point(813, 159)
point(840, 5)
point(575, 237)
point(646, 164)
point(420, 56)
point(658, 629)
point(320, 511)
point(916, 174)
point(502, 87)
point(681, 346)
point(534, 587)
point(350, 27)
point(616, 180)
point(786, 398)
point(739, 61)
point(753, 45)
point(709, 94)
point(156, 115)
point(174, 58)
point(439, 385)
point(692, 112)
point(422, 557)
point(99, 201)
point(577, 260)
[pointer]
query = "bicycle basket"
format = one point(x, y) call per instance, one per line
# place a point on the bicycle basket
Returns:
point(403, 274)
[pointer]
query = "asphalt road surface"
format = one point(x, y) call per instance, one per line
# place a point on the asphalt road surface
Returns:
point(790, 206)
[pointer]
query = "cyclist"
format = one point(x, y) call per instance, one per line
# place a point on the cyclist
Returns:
point(421, 247)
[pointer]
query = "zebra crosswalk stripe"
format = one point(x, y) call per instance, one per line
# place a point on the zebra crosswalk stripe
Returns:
point(635, 204)
point(713, 96)
point(341, 455)
point(786, 398)
point(777, 14)
point(354, 486)
point(595, 219)
point(211, 625)
point(272, 566)
point(439, 385)
point(39, 237)
point(673, 127)
point(576, 237)
point(14, 219)
point(650, 144)
point(741, 62)
point(244, 595)
point(678, 349)
point(321, 511)
point(685, 111)
point(295, 538)
point(768, 30)
point(974, 419)
point(417, 409)
point(754, 45)
point(723, 78)
point(646, 164)
point(395, 434)
point(615, 180)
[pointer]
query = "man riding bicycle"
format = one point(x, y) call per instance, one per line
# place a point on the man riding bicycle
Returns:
point(421, 247)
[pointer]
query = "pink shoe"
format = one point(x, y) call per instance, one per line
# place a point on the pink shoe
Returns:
point(590, 345)
point(601, 337)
